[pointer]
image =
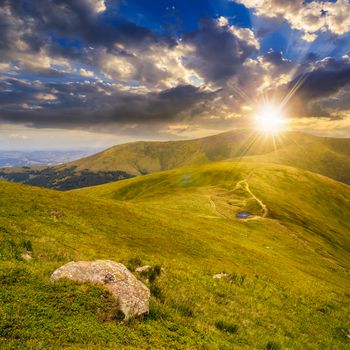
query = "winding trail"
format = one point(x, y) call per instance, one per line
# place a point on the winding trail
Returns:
point(264, 208)
point(213, 206)
point(245, 185)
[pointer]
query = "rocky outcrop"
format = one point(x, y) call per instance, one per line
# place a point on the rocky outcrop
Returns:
point(131, 294)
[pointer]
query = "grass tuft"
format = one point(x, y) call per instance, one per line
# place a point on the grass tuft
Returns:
point(134, 263)
point(11, 250)
point(157, 292)
point(152, 273)
point(271, 345)
point(226, 326)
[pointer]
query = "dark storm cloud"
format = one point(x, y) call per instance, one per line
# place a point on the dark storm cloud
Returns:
point(78, 105)
point(76, 20)
point(219, 51)
point(326, 78)
point(324, 91)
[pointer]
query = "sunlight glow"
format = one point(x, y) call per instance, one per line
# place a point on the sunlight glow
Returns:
point(270, 119)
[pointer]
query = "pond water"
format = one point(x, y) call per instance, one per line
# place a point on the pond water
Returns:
point(243, 215)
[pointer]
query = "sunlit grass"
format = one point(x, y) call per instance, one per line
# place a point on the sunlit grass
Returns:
point(287, 273)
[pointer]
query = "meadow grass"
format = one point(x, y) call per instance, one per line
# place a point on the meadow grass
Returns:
point(288, 274)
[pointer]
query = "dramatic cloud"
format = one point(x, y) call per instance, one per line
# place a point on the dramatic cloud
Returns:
point(99, 65)
point(326, 77)
point(220, 49)
point(134, 75)
point(310, 17)
point(79, 105)
point(325, 90)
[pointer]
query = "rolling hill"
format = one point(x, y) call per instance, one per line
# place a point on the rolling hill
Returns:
point(287, 269)
point(327, 156)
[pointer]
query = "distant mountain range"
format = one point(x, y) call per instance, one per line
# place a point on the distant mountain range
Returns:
point(326, 156)
point(40, 158)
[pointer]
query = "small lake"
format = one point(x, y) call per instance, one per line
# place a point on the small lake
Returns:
point(244, 215)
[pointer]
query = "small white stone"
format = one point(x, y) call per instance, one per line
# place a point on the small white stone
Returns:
point(143, 268)
point(26, 256)
point(220, 275)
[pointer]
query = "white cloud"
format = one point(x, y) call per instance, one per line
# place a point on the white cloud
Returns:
point(309, 37)
point(86, 73)
point(311, 17)
point(46, 97)
point(153, 69)
point(246, 35)
point(338, 19)
point(4, 67)
point(222, 21)
point(18, 136)
point(97, 6)
point(115, 67)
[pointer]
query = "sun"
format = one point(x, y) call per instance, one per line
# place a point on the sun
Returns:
point(269, 118)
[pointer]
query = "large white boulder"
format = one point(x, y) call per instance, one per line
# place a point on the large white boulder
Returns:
point(131, 294)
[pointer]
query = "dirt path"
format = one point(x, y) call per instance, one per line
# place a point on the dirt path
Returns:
point(213, 206)
point(264, 208)
point(242, 184)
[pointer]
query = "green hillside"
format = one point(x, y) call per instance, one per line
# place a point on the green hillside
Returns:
point(328, 156)
point(288, 273)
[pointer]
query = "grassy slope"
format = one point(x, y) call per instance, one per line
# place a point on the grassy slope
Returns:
point(289, 271)
point(147, 157)
point(328, 156)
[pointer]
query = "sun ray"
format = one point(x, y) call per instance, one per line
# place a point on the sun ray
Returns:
point(294, 89)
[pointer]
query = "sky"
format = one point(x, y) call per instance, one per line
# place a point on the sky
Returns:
point(93, 73)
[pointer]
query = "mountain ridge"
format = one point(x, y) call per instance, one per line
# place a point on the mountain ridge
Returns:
point(327, 156)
